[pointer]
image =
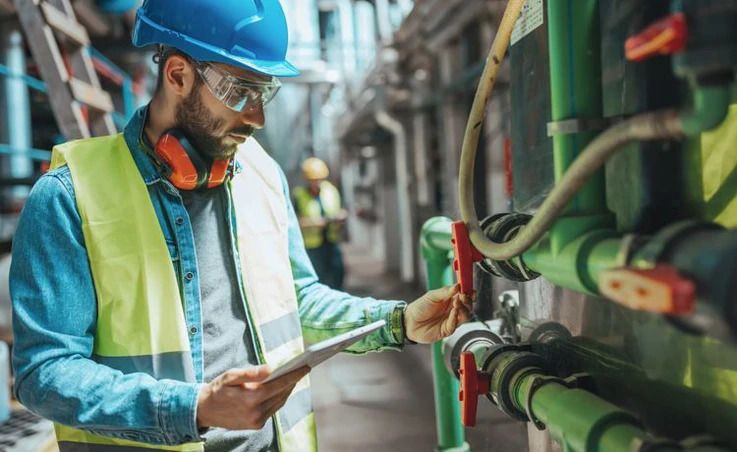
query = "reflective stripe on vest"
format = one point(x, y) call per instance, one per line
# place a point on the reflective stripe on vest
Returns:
point(140, 321)
point(307, 206)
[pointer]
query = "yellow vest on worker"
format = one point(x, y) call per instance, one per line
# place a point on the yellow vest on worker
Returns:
point(140, 316)
point(308, 206)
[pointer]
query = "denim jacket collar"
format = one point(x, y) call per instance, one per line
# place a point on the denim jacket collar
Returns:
point(133, 134)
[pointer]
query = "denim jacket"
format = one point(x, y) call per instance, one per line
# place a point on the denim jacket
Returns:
point(55, 310)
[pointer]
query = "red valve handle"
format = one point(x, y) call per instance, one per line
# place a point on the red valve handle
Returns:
point(664, 37)
point(473, 385)
point(465, 255)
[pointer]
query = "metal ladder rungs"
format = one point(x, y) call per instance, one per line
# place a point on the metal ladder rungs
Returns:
point(91, 96)
point(65, 25)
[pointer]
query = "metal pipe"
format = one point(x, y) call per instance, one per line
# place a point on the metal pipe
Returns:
point(347, 38)
point(32, 82)
point(435, 245)
point(406, 217)
point(17, 115)
point(383, 20)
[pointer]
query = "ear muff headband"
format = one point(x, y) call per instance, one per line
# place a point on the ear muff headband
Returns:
point(203, 169)
point(187, 169)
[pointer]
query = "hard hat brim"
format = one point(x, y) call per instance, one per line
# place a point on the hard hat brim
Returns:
point(148, 32)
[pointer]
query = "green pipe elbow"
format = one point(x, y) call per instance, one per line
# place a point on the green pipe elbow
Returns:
point(435, 238)
point(710, 107)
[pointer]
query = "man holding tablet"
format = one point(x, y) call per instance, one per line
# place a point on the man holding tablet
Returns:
point(159, 275)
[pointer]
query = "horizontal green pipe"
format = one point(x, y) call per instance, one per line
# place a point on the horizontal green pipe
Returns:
point(578, 265)
point(579, 420)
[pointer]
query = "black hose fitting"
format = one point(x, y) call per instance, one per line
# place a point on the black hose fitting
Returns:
point(502, 228)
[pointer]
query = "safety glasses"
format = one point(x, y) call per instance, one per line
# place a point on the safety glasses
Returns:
point(236, 93)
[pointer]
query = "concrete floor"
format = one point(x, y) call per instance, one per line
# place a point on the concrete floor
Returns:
point(384, 401)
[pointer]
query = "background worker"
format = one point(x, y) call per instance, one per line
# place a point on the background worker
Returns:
point(322, 221)
point(157, 274)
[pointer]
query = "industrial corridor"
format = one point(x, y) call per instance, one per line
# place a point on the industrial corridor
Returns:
point(363, 403)
point(368, 225)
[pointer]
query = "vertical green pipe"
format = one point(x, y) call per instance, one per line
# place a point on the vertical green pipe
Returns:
point(436, 246)
point(575, 89)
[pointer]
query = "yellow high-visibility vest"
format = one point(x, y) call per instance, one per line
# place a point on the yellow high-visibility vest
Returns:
point(308, 206)
point(140, 318)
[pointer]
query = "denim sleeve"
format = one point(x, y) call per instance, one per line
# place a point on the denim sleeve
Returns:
point(54, 321)
point(326, 312)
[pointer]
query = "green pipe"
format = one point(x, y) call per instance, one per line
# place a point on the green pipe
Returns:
point(577, 419)
point(575, 90)
point(578, 265)
point(710, 107)
point(436, 247)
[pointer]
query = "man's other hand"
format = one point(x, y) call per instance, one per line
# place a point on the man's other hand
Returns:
point(237, 400)
point(437, 314)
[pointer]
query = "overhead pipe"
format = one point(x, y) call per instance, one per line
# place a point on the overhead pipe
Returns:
point(406, 217)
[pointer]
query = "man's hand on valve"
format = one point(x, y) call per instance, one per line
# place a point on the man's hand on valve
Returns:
point(437, 314)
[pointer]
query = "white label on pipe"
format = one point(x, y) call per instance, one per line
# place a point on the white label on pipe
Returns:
point(532, 16)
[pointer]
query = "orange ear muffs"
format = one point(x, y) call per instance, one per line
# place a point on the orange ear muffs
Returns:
point(187, 170)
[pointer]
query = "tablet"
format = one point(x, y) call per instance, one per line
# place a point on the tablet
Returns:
point(317, 353)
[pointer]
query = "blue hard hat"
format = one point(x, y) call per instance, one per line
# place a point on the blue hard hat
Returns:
point(250, 34)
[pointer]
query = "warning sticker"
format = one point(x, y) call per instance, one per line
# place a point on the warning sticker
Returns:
point(532, 16)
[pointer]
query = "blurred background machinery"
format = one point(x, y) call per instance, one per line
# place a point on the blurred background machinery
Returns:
point(565, 337)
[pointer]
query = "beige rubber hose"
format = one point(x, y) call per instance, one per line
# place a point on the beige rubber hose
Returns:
point(647, 126)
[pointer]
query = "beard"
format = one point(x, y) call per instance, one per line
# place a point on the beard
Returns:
point(201, 127)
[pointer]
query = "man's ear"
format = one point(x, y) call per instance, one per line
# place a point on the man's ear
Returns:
point(179, 75)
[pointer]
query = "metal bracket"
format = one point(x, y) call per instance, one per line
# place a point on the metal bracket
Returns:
point(577, 125)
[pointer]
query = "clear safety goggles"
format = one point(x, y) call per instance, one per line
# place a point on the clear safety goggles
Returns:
point(236, 93)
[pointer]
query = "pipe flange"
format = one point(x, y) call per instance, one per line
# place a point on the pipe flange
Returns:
point(549, 332)
point(490, 360)
point(537, 383)
point(508, 365)
point(502, 228)
point(480, 336)
point(575, 381)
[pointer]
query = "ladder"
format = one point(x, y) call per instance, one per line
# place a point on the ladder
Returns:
point(60, 46)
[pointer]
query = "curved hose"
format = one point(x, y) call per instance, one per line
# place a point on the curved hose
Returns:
point(647, 126)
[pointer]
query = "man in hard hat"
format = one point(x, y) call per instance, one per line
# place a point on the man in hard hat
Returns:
point(159, 274)
point(321, 219)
